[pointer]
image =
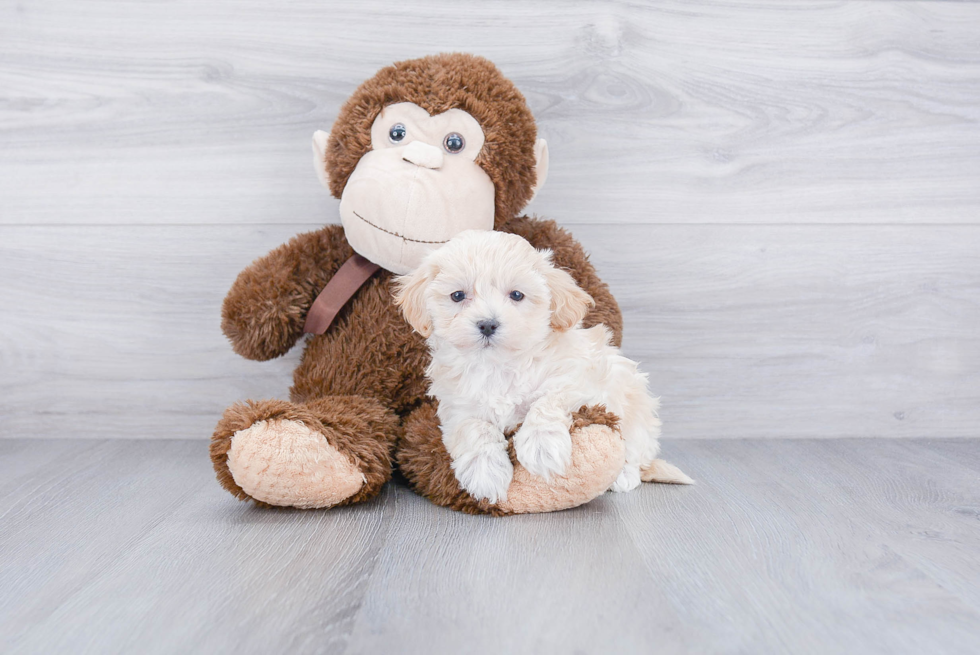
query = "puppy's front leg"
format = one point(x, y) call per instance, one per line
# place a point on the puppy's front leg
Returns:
point(543, 444)
point(480, 460)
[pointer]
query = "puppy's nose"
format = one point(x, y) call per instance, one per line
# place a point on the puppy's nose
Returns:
point(488, 327)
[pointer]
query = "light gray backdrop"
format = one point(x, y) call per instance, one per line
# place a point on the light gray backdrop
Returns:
point(784, 196)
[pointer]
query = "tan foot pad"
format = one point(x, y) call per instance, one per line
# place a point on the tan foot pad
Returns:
point(598, 454)
point(285, 463)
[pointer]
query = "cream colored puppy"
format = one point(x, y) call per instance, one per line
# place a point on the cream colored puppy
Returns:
point(503, 325)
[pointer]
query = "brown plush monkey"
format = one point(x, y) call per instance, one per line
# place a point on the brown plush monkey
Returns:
point(423, 150)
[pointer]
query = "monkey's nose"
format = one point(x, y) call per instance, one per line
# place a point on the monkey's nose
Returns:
point(422, 154)
point(488, 327)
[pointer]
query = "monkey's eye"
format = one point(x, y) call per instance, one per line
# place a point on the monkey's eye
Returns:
point(454, 142)
point(516, 296)
point(397, 133)
point(458, 296)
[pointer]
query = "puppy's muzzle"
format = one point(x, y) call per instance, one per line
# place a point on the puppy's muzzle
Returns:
point(487, 327)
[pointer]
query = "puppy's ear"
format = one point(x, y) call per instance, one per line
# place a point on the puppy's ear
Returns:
point(410, 296)
point(569, 303)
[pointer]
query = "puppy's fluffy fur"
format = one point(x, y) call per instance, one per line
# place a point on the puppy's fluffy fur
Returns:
point(503, 325)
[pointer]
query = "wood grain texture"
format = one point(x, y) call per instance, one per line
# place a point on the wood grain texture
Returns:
point(862, 526)
point(784, 198)
point(803, 546)
point(781, 331)
point(674, 112)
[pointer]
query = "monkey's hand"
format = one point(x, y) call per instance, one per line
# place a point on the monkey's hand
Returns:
point(264, 312)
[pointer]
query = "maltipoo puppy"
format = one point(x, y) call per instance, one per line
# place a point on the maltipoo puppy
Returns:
point(503, 325)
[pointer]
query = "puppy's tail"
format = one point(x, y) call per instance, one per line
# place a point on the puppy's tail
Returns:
point(660, 471)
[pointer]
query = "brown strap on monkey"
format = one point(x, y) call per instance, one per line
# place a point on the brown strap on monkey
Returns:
point(341, 288)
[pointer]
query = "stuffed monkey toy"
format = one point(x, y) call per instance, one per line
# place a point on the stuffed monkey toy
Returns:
point(423, 150)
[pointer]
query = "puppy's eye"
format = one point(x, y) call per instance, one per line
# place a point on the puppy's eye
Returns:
point(397, 133)
point(458, 296)
point(516, 295)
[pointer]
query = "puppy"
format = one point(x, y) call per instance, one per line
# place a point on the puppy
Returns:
point(503, 326)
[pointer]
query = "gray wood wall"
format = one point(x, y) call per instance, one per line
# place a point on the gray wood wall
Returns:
point(784, 196)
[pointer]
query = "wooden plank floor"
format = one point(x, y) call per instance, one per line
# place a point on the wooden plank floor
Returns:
point(801, 546)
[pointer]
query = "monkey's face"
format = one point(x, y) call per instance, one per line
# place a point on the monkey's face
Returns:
point(417, 187)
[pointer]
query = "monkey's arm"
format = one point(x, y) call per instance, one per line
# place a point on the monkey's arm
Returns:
point(264, 312)
point(569, 255)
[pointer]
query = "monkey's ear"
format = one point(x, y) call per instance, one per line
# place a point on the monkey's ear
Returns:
point(410, 296)
point(540, 165)
point(320, 156)
point(569, 303)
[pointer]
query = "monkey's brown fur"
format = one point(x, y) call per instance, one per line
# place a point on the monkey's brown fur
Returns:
point(361, 384)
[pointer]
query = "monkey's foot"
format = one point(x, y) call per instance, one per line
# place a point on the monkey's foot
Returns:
point(283, 462)
point(334, 450)
point(598, 453)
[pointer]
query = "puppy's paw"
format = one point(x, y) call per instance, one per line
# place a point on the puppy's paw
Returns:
point(628, 480)
point(545, 449)
point(485, 472)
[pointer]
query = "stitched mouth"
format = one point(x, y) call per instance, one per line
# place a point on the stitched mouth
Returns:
point(395, 234)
